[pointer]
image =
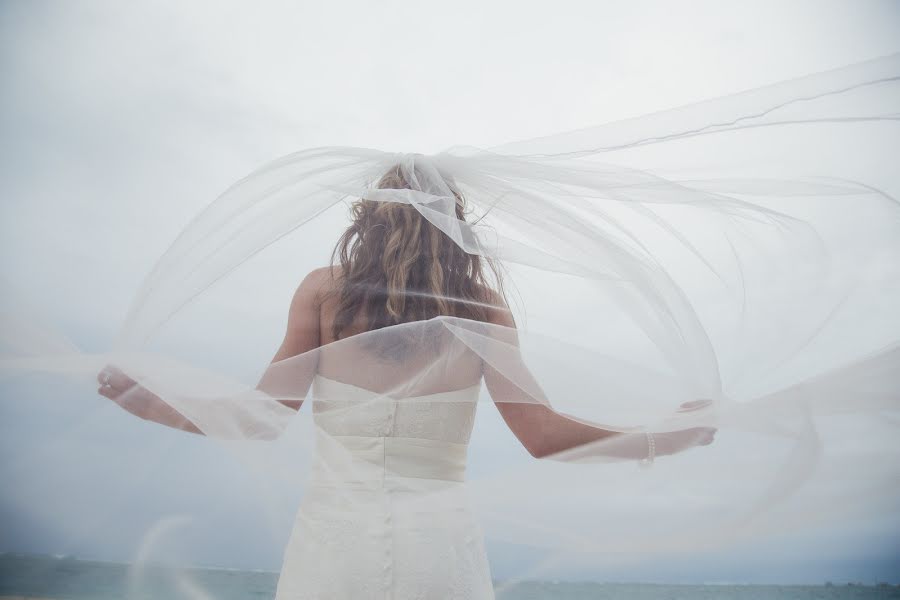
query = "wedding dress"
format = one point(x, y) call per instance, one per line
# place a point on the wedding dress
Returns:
point(395, 522)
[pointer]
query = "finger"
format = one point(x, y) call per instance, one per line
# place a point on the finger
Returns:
point(104, 373)
point(703, 436)
point(109, 372)
point(121, 381)
point(109, 392)
point(695, 404)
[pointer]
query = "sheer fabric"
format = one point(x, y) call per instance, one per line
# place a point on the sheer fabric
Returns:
point(742, 250)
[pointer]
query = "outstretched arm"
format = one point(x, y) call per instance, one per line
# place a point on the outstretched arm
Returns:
point(544, 431)
point(139, 401)
point(302, 335)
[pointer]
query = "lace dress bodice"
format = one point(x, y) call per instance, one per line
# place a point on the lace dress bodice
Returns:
point(342, 409)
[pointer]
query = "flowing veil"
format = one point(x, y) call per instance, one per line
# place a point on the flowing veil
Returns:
point(742, 250)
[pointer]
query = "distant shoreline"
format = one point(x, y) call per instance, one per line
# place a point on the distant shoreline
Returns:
point(15, 592)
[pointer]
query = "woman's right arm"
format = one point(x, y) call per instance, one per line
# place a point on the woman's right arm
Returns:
point(302, 335)
point(544, 431)
point(291, 379)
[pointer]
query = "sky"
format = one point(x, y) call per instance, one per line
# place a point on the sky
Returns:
point(120, 121)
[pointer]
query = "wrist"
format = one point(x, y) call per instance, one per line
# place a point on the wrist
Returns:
point(650, 455)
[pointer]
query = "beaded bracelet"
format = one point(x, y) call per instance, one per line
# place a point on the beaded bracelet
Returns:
point(651, 451)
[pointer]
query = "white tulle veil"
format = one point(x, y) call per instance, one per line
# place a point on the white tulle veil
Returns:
point(742, 250)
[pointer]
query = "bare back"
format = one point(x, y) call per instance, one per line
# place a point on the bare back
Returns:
point(435, 371)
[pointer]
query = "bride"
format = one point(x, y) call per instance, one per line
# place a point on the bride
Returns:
point(394, 523)
point(726, 269)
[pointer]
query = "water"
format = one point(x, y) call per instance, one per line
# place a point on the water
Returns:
point(73, 579)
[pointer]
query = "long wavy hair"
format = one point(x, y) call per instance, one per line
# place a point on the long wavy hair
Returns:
point(396, 267)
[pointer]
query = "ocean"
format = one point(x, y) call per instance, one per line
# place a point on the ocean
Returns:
point(66, 578)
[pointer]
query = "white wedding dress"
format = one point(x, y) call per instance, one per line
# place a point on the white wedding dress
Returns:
point(393, 521)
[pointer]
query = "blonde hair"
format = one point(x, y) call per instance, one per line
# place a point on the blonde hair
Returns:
point(397, 267)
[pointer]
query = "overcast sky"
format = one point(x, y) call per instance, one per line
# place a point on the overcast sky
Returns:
point(120, 121)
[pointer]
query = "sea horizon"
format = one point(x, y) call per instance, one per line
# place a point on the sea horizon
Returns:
point(70, 577)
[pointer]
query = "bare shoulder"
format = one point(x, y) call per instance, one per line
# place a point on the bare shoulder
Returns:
point(498, 309)
point(314, 287)
point(321, 280)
